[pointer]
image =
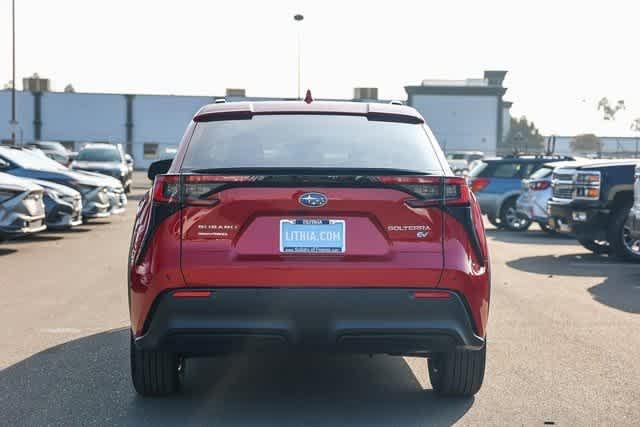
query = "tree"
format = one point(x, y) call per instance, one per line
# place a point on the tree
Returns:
point(523, 136)
point(635, 125)
point(586, 143)
point(69, 88)
point(608, 111)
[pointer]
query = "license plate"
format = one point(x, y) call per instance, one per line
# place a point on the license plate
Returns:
point(312, 236)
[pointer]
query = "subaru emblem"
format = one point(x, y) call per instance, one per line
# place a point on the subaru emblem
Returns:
point(313, 200)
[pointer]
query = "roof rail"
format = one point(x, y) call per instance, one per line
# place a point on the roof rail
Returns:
point(396, 102)
point(220, 101)
point(538, 156)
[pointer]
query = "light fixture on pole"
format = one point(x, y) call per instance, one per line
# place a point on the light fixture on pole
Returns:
point(299, 18)
point(13, 123)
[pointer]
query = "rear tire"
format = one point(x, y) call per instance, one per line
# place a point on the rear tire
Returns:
point(457, 373)
point(511, 219)
point(596, 246)
point(154, 373)
point(621, 242)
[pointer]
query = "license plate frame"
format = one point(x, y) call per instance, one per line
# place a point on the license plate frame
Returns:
point(290, 245)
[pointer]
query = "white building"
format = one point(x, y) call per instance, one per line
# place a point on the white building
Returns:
point(464, 115)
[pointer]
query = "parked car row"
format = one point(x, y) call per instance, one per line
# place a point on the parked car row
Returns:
point(37, 193)
point(498, 184)
point(593, 200)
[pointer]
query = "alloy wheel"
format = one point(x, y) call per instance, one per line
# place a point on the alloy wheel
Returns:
point(631, 244)
point(514, 220)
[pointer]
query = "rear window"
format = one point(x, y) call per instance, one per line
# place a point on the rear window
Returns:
point(50, 145)
point(478, 169)
point(313, 141)
point(541, 173)
point(99, 155)
point(504, 170)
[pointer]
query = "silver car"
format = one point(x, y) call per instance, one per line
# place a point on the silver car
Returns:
point(537, 191)
point(93, 187)
point(460, 161)
point(63, 205)
point(532, 203)
point(22, 209)
point(52, 149)
point(114, 192)
point(634, 214)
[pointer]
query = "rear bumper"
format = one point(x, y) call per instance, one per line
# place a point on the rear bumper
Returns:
point(351, 320)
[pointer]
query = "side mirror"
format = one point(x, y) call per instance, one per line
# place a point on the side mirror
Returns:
point(158, 168)
point(128, 159)
point(4, 165)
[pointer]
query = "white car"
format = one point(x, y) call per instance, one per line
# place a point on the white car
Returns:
point(22, 208)
point(459, 161)
point(532, 203)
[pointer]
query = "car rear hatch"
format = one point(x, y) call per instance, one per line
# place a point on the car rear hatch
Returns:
point(311, 198)
point(308, 231)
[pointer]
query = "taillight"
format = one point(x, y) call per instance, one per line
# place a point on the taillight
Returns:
point(194, 190)
point(166, 189)
point(202, 190)
point(456, 191)
point(430, 190)
point(539, 185)
point(479, 184)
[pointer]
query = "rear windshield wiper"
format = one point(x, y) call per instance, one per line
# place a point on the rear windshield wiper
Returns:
point(308, 171)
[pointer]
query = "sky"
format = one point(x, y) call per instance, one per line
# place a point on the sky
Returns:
point(561, 56)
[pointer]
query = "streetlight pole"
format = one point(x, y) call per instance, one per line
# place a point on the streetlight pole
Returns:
point(13, 85)
point(299, 18)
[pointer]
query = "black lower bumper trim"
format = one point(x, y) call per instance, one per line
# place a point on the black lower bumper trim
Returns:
point(594, 226)
point(285, 319)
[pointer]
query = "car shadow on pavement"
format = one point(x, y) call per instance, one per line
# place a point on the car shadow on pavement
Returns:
point(34, 238)
point(96, 222)
point(532, 237)
point(7, 251)
point(86, 381)
point(619, 290)
point(71, 230)
point(136, 197)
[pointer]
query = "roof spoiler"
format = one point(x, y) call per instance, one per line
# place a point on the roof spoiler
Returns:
point(248, 115)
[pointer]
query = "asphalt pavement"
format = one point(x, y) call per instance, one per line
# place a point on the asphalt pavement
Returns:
point(564, 347)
